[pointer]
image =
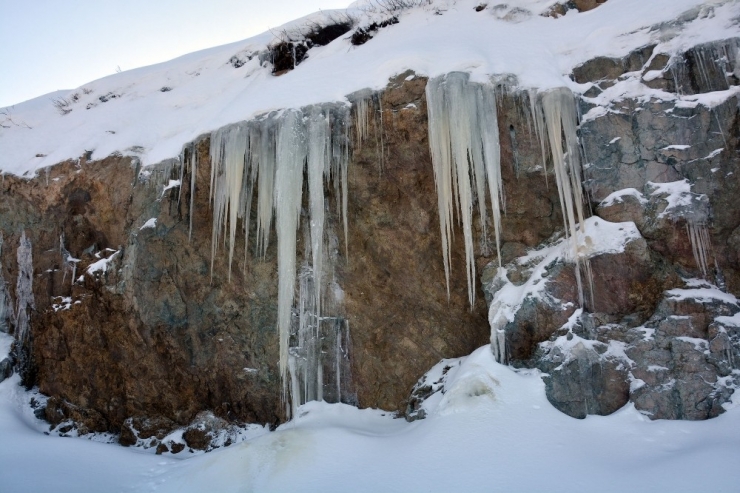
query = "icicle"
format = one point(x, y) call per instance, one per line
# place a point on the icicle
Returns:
point(318, 158)
point(268, 157)
point(464, 142)
point(290, 158)
point(193, 173)
point(700, 244)
point(362, 120)
point(228, 159)
point(559, 112)
point(262, 143)
point(68, 261)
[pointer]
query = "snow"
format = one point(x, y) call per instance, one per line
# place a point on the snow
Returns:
point(679, 147)
point(677, 194)
point(484, 433)
point(101, 266)
point(617, 197)
point(207, 92)
point(596, 237)
point(703, 295)
point(150, 223)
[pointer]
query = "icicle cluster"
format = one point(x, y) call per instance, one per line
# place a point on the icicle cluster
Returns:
point(24, 290)
point(560, 123)
point(464, 142)
point(267, 157)
point(700, 244)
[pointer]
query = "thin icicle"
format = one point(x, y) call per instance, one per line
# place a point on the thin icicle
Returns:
point(539, 128)
point(700, 245)
point(228, 158)
point(193, 173)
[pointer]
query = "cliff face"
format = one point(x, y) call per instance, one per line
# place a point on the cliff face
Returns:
point(133, 326)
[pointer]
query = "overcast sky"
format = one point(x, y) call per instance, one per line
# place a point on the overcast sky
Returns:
point(47, 45)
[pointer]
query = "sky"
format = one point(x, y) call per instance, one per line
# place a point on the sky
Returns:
point(50, 45)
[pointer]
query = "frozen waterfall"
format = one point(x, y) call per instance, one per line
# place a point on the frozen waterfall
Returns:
point(268, 158)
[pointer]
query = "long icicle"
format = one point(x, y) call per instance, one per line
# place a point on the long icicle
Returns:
point(290, 160)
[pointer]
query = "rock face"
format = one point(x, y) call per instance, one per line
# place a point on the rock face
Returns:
point(136, 331)
point(660, 330)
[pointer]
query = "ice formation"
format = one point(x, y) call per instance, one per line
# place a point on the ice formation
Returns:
point(24, 296)
point(68, 261)
point(6, 309)
point(560, 120)
point(269, 157)
point(318, 361)
point(700, 244)
point(464, 144)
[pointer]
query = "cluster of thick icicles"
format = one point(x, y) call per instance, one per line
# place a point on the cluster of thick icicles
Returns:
point(270, 157)
point(464, 141)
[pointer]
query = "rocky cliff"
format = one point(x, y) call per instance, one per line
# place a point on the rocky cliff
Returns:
point(136, 327)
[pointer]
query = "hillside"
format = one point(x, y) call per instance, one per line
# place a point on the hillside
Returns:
point(411, 245)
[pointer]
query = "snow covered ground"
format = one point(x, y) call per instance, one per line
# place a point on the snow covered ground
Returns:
point(153, 111)
point(492, 430)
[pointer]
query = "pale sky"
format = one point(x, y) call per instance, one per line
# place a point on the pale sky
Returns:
point(48, 45)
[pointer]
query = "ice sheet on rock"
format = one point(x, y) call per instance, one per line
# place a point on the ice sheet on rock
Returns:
point(24, 286)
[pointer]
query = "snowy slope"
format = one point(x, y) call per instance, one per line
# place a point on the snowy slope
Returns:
point(493, 430)
point(153, 111)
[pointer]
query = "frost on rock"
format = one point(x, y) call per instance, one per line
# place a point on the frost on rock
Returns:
point(268, 158)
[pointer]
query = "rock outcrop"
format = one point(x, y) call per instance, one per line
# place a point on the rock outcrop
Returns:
point(135, 331)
